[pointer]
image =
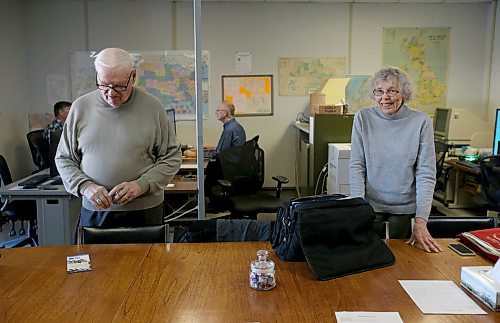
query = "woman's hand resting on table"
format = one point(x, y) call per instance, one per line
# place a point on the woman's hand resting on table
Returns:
point(421, 238)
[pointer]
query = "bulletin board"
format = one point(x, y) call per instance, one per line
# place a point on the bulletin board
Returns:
point(252, 95)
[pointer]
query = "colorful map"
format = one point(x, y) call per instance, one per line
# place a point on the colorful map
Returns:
point(423, 54)
point(168, 75)
point(357, 93)
point(251, 95)
point(297, 76)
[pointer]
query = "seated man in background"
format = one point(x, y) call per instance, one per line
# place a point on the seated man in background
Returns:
point(232, 135)
point(61, 111)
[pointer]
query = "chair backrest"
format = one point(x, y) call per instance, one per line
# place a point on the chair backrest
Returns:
point(243, 166)
point(39, 148)
point(148, 234)
point(450, 227)
point(441, 149)
point(490, 179)
point(5, 176)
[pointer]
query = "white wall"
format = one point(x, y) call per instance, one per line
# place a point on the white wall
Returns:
point(13, 91)
point(55, 28)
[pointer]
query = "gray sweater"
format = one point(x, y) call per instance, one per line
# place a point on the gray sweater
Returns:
point(109, 146)
point(393, 163)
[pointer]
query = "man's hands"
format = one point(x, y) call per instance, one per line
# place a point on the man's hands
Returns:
point(122, 194)
point(189, 153)
point(125, 192)
point(98, 195)
point(421, 238)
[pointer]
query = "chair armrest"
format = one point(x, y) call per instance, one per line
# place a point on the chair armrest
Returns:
point(280, 181)
point(224, 183)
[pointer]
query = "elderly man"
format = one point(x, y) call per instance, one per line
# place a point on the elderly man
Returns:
point(118, 149)
point(233, 133)
point(61, 111)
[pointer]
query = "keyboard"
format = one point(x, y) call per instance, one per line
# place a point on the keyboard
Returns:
point(467, 163)
point(56, 180)
point(33, 181)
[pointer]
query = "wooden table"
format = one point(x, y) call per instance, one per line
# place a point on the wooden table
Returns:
point(208, 283)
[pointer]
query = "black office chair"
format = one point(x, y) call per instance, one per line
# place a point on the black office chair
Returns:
point(490, 183)
point(243, 177)
point(450, 227)
point(18, 211)
point(147, 234)
point(39, 148)
point(442, 170)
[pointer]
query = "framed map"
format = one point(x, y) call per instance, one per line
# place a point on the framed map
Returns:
point(252, 95)
point(299, 75)
point(168, 75)
point(423, 53)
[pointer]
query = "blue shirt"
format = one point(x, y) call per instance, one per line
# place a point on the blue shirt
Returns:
point(53, 126)
point(232, 135)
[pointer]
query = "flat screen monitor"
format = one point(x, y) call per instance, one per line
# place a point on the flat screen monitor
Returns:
point(171, 116)
point(54, 138)
point(456, 126)
point(496, 136)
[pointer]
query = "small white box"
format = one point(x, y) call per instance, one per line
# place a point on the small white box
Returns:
point(339, 156)
point(481, 285)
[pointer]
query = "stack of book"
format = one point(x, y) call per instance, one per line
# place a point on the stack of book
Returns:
point(485, 242)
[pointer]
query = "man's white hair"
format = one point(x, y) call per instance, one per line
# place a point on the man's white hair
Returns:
point(114, 58)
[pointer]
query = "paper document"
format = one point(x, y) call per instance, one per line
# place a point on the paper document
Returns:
point(371, 317)
point(440, 297)
point(170, 185)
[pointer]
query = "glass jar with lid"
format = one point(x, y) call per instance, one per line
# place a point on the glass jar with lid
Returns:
point(262, 273)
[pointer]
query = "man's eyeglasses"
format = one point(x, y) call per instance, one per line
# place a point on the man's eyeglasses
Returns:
point(391, 92)
point(117, 88)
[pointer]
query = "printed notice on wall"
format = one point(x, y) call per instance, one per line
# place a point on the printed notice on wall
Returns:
point(243, 63)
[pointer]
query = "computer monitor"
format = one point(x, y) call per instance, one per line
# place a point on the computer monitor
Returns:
point(496, 136)
point(54, 137)
point(171, 116)
point(456, 126)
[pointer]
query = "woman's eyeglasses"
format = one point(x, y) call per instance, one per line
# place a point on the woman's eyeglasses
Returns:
point(391, 92)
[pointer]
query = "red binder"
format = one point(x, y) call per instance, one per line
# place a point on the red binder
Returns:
point(485, 242)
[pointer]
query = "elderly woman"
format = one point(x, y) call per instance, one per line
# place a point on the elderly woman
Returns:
point(393, 163)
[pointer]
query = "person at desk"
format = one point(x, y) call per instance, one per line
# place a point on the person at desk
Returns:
point(61, 111)
point(233, 133)
point(393, 164)
point(118, 149)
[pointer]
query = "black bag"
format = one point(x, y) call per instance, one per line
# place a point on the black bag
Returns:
point(333, 233)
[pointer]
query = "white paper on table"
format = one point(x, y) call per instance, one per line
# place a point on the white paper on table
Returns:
point(170, 185)
point(440, 297)
point(371, 317)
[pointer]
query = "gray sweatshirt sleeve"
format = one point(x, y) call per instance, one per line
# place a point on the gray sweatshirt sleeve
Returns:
point(68, 159)
point(425, 172)
point(168, 162)
point(357, 167)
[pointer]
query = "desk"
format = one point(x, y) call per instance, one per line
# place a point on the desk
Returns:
point(57, 211)
point(208, 282)
point(189, 165)
point(456, 195)
point(180, 185)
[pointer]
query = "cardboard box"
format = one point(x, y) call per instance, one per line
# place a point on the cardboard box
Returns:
point(476, 281)
point(327, 109)
point(329, 97)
